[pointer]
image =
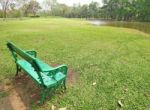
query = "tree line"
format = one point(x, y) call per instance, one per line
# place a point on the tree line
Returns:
point(18, 8)
point(124, 10)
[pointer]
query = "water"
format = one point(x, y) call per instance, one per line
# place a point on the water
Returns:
point(141, 26)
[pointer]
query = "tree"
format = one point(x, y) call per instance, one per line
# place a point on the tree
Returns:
point(49, 5)
point(1, 13)
point(32, 7)
point(127, 9)
point(5, 6)
point(93, 9)
point(84, 11)
point(143, 10)
point(20, 5)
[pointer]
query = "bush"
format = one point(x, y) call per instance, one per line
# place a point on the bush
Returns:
point(36, 16)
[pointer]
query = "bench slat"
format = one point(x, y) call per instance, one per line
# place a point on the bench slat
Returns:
point(48, 81)
point(43, 66)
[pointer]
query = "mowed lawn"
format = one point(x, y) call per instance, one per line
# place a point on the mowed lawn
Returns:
point(116, 59)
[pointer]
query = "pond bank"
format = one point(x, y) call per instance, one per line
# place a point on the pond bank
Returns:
point(141, 26)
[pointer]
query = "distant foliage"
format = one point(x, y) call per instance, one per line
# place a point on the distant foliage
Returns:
point(123, 10)
point(126, 10)
point(18, 8)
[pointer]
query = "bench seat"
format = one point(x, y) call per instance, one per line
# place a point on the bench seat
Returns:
point(44, 66)
point(48, 80)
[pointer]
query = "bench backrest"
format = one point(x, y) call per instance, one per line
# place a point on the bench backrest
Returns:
point(18, 52)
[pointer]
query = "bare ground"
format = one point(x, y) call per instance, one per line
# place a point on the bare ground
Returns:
point(23, 92)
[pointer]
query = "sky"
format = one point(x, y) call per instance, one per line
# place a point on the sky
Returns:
point(71, 2)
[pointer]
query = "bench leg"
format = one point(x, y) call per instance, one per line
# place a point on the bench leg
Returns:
point(17, 70)
point(43, 96)
point(64, 83)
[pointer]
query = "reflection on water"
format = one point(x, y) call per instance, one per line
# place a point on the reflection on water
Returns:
point(98, 22)
point(145, 27)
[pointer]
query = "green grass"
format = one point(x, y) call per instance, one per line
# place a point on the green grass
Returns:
point(3, 94)
point(117, 59)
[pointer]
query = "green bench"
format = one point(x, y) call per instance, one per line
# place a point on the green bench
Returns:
point(45, 76)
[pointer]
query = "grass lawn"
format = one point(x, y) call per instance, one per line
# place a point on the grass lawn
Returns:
point(117, 59)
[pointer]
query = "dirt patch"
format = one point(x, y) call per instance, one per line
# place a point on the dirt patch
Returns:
point(5, 104)
point(23, 92)
point(16, 101)
point(11, 99)
point(72, 77)
point(1, 87)
point(27, 90)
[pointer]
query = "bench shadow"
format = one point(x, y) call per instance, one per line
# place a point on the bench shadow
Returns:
point(29, 92)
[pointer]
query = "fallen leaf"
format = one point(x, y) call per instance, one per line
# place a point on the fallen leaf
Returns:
point(1, 88)
point(32, 95)
point(7, 82)
point(64, 108)
point(19, 83)
point(146, 94)
point(120, 103)
point(94, 83)
point(53, 107)
point(38, 102)
point(126, 89)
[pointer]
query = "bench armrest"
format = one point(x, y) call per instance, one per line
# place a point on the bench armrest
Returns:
point(62, 68)
point(31, 52)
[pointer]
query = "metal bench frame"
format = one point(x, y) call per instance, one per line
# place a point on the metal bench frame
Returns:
point(31, 58)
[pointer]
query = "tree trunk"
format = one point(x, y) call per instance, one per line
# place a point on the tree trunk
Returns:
point(4, 14)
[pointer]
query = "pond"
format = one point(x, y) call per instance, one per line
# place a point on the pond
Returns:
point(141, 26)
